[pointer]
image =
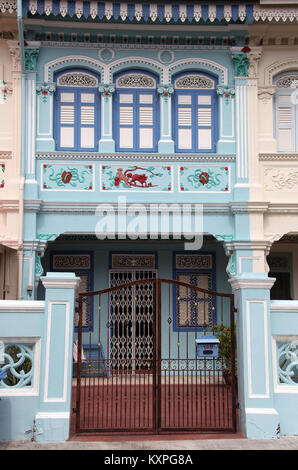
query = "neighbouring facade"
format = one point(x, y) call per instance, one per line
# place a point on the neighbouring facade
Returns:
point(11, 182)
point(142, 125)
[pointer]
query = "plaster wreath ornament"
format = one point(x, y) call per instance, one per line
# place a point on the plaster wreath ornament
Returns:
point(44, 90)
point(4, 91)
point(226, 93)
point(106, 89)
point(165, 91)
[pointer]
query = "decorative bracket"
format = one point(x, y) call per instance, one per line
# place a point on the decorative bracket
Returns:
point(43, 239)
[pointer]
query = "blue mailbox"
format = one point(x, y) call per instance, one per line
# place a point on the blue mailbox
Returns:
point(207, 346)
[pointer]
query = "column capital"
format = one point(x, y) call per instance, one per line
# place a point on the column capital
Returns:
point(31, 52)
point(240, 61)
point(254, 56)
point(60, 281)
point(15, 55)
point(251, 281)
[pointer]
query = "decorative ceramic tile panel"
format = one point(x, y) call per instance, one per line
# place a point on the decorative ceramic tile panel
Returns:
point(136, 178)
point(211, 178)
point(57, 177)
point(2, 172)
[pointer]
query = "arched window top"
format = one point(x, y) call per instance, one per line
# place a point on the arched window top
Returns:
point(77, 79)
point(136, 80)
point(194, 81)
point(287, 80)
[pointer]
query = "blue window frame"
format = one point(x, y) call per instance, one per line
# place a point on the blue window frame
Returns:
point(136, 123)
point(77, 114)
point(85, 272)
point(195, 114)
point(193, 309)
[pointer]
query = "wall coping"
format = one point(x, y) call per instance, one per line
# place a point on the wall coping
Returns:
point(22, 306)
point(284, 306)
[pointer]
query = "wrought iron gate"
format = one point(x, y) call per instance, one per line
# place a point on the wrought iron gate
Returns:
point(139, 371)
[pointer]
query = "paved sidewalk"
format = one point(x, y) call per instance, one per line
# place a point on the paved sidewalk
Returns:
point(283, 443)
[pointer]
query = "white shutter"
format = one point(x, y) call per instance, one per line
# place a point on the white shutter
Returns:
point(204, 139)
point(146, 116)
point(285, 123)
point(126, 137)
point(66, 114)
point(67, 137)
point(87, 120)
point(184, 139)
point(184, 117)
point(204, 117)
point(87, 115)
point(204, 122)
point(87, 137)
point(126, 115)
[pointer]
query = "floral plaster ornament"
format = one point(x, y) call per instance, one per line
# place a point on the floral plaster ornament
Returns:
point(4, 91)
point(45, 90)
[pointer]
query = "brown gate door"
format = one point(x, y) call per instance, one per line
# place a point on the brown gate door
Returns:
point(150, 364)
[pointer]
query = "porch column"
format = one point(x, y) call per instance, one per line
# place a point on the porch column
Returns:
point(31, 56)
point(257, 416)
point(52, 421)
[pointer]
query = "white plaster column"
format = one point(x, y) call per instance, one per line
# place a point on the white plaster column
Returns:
point(106, 142)
point(166, 143)
point(266, 139)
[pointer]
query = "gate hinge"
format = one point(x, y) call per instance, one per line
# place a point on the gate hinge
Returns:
point(235, 310)
point(74, 410)
point(237, 405)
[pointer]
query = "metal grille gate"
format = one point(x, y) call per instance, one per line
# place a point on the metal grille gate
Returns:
point(143, 374)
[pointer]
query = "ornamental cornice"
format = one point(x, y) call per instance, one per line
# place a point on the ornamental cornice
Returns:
point(137, 12)
point(61, 156)
point(91, 207)
point(278, 157)
point(285, 208)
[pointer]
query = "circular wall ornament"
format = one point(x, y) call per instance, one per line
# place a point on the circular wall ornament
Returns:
point(106, 55)
point(165, 56)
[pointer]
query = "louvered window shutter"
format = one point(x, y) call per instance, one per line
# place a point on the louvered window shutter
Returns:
point(146, 120)
point(66, 120)
point(87, 120)
point(285, 120)
point(77, 119)
point(126, 103)
point(204, 122)
point(136, 120)
point(195, 122)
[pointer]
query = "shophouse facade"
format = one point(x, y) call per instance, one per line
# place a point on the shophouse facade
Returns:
point(143, 125)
